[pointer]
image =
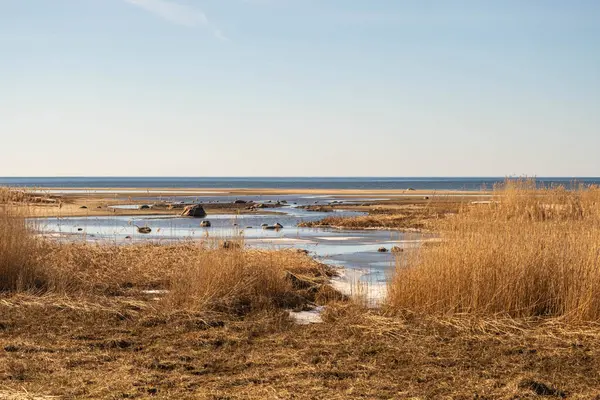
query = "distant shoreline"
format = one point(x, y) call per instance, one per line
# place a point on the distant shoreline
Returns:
point(463, 184)
point(98, 201)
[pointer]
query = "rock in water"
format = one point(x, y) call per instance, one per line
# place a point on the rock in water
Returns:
point(382, 250)
point(195, 211)
point(275, 227)
point(205, 224)
point(143, 229)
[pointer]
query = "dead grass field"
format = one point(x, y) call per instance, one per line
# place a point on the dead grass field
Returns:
point(203, 321)
point(119, 348)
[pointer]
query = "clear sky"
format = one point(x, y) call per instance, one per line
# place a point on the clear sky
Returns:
point(299, 87)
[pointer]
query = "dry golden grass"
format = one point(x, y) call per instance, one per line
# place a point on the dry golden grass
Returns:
point(193, 277)
point(83, 326)
point(11, 195)
point(120, 349)
point(530, 252)
point(18, 249)
point(207, 276)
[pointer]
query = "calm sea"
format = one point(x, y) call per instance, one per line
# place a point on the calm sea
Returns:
point(429, 183)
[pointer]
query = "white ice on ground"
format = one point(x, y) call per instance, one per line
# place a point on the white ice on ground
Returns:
point(308, 317)
point(155, 291)
point(281, 240)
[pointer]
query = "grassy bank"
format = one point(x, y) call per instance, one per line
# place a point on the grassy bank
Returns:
point(419, 216)
point(205, 276)
point(528, 253)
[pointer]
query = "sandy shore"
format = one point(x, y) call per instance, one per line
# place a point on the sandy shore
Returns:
point(99, 201)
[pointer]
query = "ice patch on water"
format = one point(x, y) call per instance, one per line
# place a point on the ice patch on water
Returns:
point(351, 283)
point(281, 240)
point(339, 238)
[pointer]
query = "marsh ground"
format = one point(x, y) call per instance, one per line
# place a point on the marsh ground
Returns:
point(125, 349)
point(212, 321)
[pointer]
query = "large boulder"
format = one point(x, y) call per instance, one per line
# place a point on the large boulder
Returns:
point(196, 211)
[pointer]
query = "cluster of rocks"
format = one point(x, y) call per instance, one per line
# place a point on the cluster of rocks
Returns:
point(268, 204)
point(395, 249)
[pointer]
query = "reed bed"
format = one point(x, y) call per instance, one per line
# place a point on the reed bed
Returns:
point(212, 275)
point(18, 249)
point(529, 252)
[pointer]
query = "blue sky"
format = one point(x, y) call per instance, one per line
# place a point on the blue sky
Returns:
point(299, 87)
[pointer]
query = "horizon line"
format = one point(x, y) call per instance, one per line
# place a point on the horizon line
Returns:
point(295, 177)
